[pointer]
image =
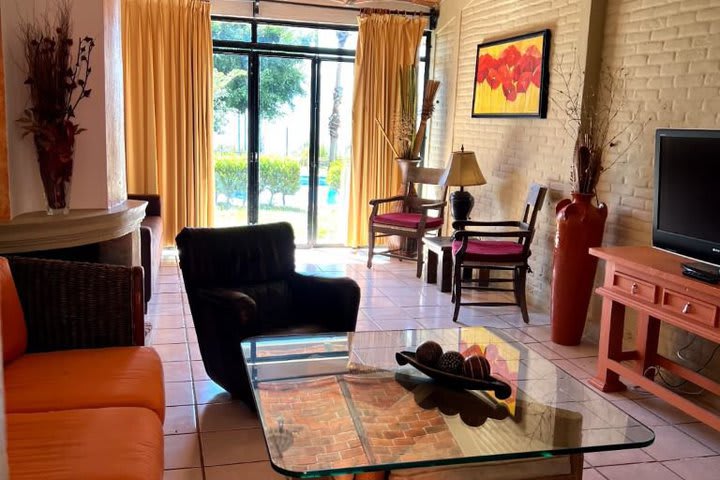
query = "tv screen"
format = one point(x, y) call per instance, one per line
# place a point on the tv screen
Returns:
point(687, 193)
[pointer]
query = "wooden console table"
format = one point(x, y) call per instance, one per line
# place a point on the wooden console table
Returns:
point(650, 282)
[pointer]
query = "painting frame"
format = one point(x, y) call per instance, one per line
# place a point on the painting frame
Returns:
point(539, 106)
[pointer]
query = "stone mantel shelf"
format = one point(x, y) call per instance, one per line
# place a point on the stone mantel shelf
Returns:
point(38, 231)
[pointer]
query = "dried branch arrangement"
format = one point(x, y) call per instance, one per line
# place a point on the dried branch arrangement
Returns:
point(57, 83)
point(407, 138)
point(404, 125)
point(598, 129)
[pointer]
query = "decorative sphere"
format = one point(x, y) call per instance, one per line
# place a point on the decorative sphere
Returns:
point(451, 362)
point(428, 353)
point(477, 367)
point(472, 418)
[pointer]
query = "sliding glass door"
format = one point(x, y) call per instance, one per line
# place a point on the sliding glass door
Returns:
point(230, 139)
point(334, 152)
point(284, 187)
point(283, 126)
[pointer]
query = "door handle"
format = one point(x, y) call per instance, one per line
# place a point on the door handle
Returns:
point(686, 308)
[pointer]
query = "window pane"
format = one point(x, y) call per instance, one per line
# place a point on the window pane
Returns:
point(237, 31)
point(309, 37)
point(230, 86)
point(284, 143)
point(336, 92)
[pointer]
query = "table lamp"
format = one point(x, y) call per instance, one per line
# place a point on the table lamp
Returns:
point(462, 171)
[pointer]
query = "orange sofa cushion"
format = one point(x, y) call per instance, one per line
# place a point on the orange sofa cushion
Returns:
point(14, 331)
point(94, 444)
point(92, 378)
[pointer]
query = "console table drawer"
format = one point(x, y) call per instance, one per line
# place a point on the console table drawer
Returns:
point(689, 308)
point(632, 287)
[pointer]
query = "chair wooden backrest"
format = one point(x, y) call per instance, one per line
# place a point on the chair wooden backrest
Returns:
point(424, 176)
point(533, 205)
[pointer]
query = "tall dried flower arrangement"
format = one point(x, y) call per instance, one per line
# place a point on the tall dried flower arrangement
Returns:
point(57, 83)
point(407, 136)
point(595, 130)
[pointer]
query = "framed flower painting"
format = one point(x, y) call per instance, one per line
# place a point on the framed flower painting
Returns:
point(511, 77)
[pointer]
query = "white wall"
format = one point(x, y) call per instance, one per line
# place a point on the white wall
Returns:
point(99, 169)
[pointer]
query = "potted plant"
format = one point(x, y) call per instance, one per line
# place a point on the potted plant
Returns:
point(57, 85)
point(580, 221)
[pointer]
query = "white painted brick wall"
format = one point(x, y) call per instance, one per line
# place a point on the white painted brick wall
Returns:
point(512, 153)
point(671, 52)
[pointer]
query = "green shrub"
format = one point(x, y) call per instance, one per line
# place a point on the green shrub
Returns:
point(279, 175)
point(334, 174)
point(231, 175)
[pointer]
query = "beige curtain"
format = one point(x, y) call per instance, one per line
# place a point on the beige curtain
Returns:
point(385, 43)
point(167, 55)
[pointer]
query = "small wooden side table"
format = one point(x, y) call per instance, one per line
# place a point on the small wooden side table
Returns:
point(439, 247)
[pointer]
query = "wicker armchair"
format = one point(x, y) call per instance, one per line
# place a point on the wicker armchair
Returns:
point(69, 305)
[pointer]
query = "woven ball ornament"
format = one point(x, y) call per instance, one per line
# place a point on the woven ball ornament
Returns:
point(476, 367)
point(428, 353)
point(451, 362)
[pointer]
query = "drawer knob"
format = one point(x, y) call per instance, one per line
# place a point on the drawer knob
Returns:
point(634, 288)
point(686, 308)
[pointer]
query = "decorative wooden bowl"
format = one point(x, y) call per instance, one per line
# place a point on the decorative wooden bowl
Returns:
point(501, 389)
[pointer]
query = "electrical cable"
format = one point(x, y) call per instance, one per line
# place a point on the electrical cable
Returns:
point(679, 352)
point(676, 387)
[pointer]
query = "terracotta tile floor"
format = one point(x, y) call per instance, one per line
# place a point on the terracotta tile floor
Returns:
point(209, 437)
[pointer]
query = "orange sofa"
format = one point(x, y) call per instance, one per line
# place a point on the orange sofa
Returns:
point(83, 400)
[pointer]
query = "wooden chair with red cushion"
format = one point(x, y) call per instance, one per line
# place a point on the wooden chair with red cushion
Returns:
point(414, 220)
point(486, 250)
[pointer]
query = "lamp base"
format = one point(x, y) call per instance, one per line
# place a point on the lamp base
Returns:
point(461, 203)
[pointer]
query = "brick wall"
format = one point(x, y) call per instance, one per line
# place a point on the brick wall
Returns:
point(337, 422)
point(512, 153)
point(670, 50)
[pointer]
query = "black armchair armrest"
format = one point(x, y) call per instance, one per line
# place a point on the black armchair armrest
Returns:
point(154, 206)
point(224, 318)
point(332, 302)
point(70, 305)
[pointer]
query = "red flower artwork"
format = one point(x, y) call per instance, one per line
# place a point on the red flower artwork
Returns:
point(513, 69)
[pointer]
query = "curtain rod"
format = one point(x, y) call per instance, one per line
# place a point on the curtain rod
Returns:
point(431, 13)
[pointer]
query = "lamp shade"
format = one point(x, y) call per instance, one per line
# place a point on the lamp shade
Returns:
point(463, 170)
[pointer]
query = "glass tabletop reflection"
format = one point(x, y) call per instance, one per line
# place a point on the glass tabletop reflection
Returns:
point(332, 404)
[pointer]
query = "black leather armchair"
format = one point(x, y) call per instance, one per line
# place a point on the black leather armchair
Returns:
point(241, 282)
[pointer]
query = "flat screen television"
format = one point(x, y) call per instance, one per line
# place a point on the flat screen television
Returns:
point(687, 193)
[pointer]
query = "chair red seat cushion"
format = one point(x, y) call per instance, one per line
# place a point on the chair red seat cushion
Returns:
point(490, 250)
point(407, 220)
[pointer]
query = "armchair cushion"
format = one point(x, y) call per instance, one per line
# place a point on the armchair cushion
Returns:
point(89, 378)
point(490, 250)
point(101, 443)
point(407, 220)
point(14, 331)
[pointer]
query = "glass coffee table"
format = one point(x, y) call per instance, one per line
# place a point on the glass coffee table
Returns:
point(333, 404)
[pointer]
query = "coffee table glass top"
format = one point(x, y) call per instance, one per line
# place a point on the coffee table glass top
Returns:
point(339, 403)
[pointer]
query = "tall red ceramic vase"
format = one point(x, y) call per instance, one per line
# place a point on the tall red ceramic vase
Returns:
point(580, 226)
